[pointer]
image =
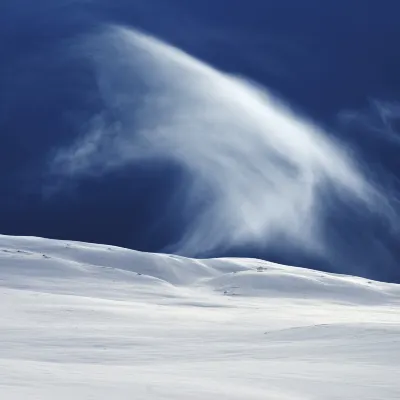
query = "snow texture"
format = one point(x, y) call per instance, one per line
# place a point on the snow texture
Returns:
point(86, 321)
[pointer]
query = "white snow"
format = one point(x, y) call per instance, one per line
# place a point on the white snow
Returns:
point(83, 321)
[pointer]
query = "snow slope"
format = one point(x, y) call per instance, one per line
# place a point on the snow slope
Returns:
point(87, 321)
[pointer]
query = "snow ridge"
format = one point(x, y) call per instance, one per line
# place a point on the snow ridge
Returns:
point(94, 321)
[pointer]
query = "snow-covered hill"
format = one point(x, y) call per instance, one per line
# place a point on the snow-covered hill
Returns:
point(87, 321)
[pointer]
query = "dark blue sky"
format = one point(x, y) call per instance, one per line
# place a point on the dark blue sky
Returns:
point(325, 58)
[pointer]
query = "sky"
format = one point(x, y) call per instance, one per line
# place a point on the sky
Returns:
point(262, 129)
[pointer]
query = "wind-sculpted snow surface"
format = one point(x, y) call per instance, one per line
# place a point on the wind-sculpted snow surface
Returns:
point(93, 321)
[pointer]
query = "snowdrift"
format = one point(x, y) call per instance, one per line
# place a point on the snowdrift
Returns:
point(94, 321)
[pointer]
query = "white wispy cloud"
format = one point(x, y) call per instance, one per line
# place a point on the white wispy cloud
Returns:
point(255, 166)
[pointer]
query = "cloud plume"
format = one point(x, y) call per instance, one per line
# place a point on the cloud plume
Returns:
point(255, 169)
